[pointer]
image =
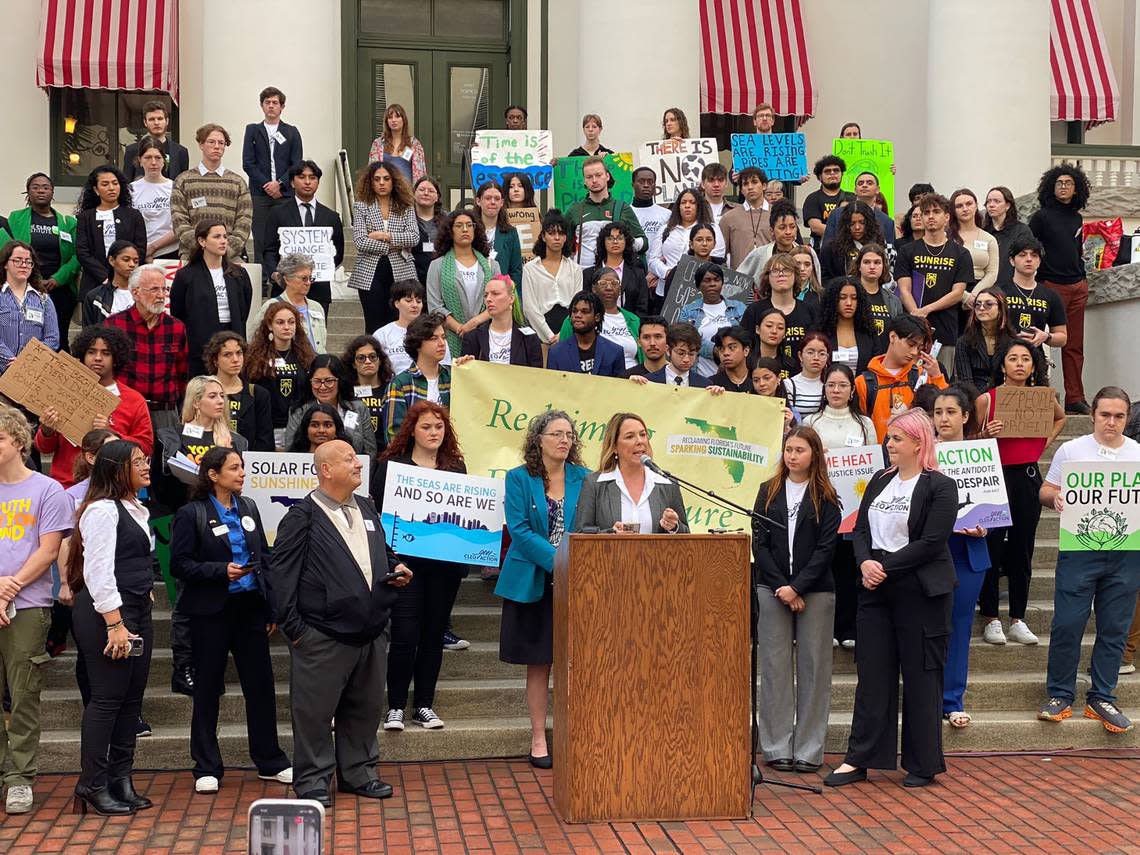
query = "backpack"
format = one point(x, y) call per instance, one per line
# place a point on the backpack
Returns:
point(873, 387)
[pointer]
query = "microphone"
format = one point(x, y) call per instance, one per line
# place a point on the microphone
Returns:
point(648, 463)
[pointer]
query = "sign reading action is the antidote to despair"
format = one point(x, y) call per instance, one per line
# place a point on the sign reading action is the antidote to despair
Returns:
point(976, 468)
point(677, 163)
point(1102, 507)
point(496, 154)
point(783, 157)
point(448, 516)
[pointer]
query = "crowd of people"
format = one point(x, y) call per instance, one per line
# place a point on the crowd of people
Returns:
point(868, 329)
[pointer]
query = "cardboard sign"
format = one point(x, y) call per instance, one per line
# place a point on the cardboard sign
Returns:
point(41, 379)
point(677, 164)
point(495, 154)
point(275, 481)
point(527, 222)
point(684, 290)
point(874, 156)
point(1024, 411)
point(976, 467)
point(570, 188)
point(783, 157)
point(850, 470)
point(1102, 507)
point(447, 516)
point(313, 241)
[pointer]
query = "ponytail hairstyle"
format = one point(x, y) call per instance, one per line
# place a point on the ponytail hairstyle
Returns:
point(92, 441)
point(965, 396)
point(110, 479)
point(819, 486)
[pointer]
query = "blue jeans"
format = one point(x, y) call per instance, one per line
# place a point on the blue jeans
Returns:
point(1108, 581)
point(961, 628)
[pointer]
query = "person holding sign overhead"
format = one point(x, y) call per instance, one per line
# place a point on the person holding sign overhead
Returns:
point(1107, 579)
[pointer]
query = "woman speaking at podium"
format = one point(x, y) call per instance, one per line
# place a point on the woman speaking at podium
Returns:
point(625, 495)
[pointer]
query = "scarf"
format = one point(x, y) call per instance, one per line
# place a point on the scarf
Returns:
point(449, 291)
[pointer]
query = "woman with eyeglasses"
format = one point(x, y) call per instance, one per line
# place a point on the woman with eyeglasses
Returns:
point(26, 312)
point(296, 275)
point(777, 290)
point(371, 371)
point(988, 333)
point(328, 383)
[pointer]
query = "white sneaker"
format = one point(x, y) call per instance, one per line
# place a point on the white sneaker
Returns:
point(206, 785)
point(834, 643)
point(426, 718)
point(19, 800)
point(993, 633)
point(285, 776)
point(394, 720)
point(848, 643)
point(1130, 668)
point(1019, 633)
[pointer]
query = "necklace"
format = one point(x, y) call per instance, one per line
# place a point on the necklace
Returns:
point(931, 250)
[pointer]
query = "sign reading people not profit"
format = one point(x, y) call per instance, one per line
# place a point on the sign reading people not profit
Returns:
point(496, 154)
point(677, 163)
point(1102, 507)
point(874, 156)
point(683, 290)
point(313, 241)
point(569, 187)
point(976, 468)
point(783, 157)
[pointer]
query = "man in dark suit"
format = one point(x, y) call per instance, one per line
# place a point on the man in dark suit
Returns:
point(586, 352)
point(157, 120)
point(303, 210)
point(684, 344)
point(269, 150)
point(333, 594)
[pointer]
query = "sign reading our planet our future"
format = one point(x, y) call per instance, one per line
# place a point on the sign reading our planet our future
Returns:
point(1101, 510)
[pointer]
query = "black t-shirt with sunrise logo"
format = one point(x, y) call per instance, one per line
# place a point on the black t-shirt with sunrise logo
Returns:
point(880, 318)
point(1038, 307)
point(373, 398)
point(933, 273)
point(285, 386)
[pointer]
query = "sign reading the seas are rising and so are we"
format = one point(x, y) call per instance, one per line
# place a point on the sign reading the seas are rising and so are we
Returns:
point(447, 516)
point(677, 163)
point(783, 157)
point(1102, 507)
point(976, 467)
point(850, 470)
point(313, 241)
point(496, 154)
point(874, 156)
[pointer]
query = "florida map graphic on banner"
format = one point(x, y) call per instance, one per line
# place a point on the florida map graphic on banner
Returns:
point(728, 444)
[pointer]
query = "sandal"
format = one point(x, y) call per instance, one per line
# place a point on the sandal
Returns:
point(958, 719)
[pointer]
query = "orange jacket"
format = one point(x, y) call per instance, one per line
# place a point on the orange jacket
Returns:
point(894, 393)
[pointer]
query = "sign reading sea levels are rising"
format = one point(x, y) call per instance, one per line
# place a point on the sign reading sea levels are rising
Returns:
point(1102, 507)
point(976, 468)
point(448, 516)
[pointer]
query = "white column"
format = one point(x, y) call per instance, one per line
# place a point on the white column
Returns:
point(988, 84)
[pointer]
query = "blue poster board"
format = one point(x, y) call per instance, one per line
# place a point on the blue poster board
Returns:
point(783, 157)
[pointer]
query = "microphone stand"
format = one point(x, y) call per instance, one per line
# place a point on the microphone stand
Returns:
point(753, 603)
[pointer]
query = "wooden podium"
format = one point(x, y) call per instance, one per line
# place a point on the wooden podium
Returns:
point(651, 670)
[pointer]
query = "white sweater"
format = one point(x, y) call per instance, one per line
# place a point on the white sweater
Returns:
point(840, 428)
point(541, 292)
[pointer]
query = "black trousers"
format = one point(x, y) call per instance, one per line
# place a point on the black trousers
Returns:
point(900, 629)
point(180, 642)
point(319, 291)
point(419, 618)
point(1011, 548)
point(846, 576)
point(377, 310)
point(107, 749)
point(239, 628)
point(65, 300)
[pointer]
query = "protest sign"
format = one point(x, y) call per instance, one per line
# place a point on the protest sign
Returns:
point(41, 379)
point(728, 443)
point(277, 481)
point(570, 188)
point(976, 468)
point(495, 154)
point(684, 290)
point(850, 470)
point(1102, 507)
point(1024, 411)
point(875, 156)
point(527, 222)
point(446, 516)
point(677, 163)
point(783, 157)
point(313, 241)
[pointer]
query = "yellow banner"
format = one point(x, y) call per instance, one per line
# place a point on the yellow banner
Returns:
point(728, 444)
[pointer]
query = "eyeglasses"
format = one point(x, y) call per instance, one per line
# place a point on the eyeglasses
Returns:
point(1065, 182)
point(615, 237)
point(780, 272)
point(838, 386)
point(367, 357)
point(308, 280)
point(140, 463)
point(324, 383)
point(464, 227)
point(560, 434)
point(985, 304)
point(22, 262)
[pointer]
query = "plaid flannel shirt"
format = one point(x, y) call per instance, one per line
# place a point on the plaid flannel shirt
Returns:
point(161, 359)
point(407, 388)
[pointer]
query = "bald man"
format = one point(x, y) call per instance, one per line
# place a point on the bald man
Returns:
point(334, 580)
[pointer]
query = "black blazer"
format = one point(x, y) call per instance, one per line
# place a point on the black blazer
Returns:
point(199, 557)
point(255, 156)
point(97, 304)
point(867, 344)
point(194, 302)
point(317, 582)
point(814, 544)
point(255, 417)
point(599, 505)
point(177, 160)
point(525, 349)
point(933, 512)
point(634, 287)
point(290, 215)
point(89, 248)
point(696, 381)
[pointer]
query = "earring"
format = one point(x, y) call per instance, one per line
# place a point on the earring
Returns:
point(271, 336)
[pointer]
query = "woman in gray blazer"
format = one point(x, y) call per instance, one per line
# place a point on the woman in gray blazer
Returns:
point(624, 494)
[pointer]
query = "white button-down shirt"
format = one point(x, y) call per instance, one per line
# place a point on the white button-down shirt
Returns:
point(639, 511)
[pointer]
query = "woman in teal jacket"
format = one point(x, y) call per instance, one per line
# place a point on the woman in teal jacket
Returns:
point(506, 250)
point(53, 240)
point(541, 497)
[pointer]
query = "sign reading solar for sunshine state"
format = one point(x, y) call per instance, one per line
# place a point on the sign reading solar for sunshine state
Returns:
point(275, 481)
point(448, 516)
point(1102, 507)
point(976, 467)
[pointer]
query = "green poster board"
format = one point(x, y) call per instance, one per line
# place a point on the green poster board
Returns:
point(868, 156)
point(569, 187)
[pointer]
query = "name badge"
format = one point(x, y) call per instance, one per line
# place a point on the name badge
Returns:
point(279, 137)
point(981, 245)
point(853, 440)
point(492, 256)
point(248, 524)
point(371, 526)
point(198, 202)
point(193, 431)
point(66, 237)
point(219, 530)
point(34, 316)
point(429, 246)
point(361, 392)
point(1106, 452)
point(350, 420)
point(279, 363)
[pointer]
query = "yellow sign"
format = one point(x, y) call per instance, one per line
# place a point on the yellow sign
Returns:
point(728, 444)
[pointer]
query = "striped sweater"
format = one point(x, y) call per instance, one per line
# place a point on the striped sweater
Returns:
point(226, 198)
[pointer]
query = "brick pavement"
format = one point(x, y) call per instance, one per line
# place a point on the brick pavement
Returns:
point(999, 804)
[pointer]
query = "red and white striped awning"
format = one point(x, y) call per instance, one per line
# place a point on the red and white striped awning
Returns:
point(109, 44)
point(1084, 84)
point(755, 52)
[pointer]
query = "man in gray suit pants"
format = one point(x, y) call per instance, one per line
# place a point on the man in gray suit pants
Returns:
point(330, 580)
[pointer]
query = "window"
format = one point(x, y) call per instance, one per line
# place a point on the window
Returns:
point(90, 127)
point(464, 19)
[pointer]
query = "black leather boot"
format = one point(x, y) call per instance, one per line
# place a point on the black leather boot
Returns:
point(124, 790)
point(101, 801)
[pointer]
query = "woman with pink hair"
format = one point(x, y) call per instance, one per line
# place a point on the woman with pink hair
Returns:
point(902, 548)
